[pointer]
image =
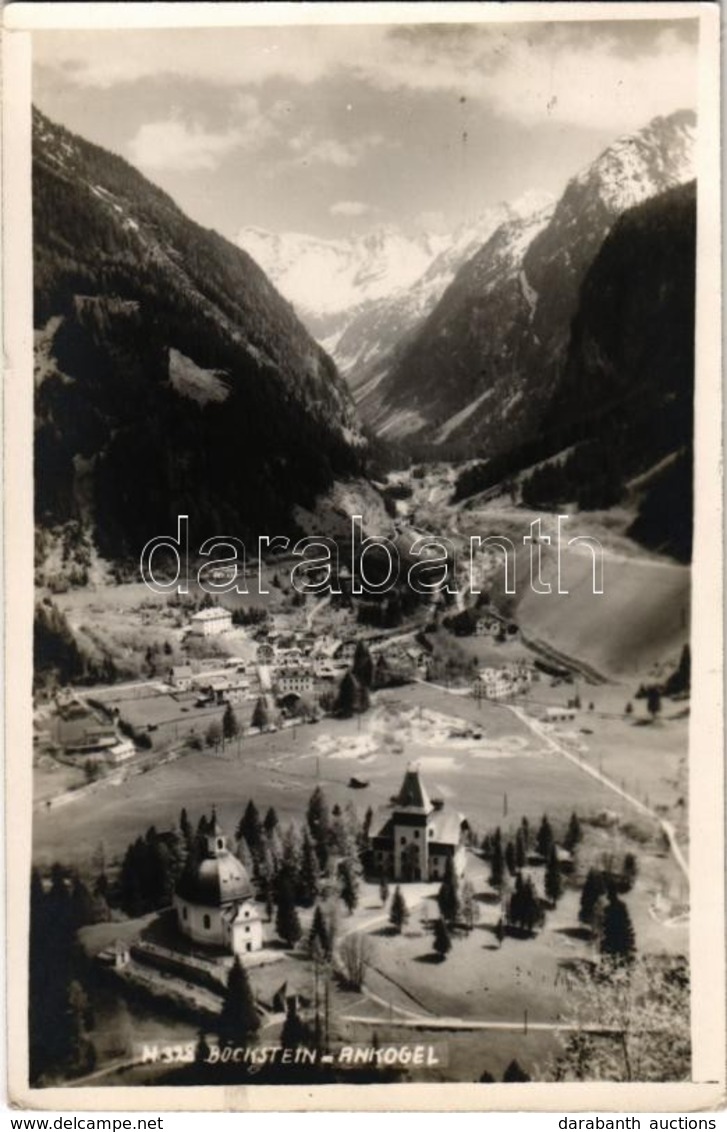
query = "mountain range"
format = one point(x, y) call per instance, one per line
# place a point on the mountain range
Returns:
point(478, 374)
point(464, 358)
point(172, 376)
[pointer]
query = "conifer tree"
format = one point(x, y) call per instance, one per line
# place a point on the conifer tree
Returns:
point(545, 838)
point(629, 871)
point(470, 907)
point(185, 827)
point(448, 897)
point(363, 665)
point(261, 715)
point(202, 1049)
point(520, 850)
point(574, 834)
point(308, 873)
point(525, 827)
point(594, 887)
point(497, 866)
point(618, 940)
point(553, 879)
point(511, 858)
point(318, 816)
point(352, 698)
point(287, 924)
point(250, 827)
point(442, 940)
point(653, 701)
point(294, 1032)
point(319, 939)
point(398, 913)
point(271, 821)
point(238, 1018)
point(319, 824)
point(515, 1073)
point(230, 725)
point(349, 885)
point(291, 855)
point(524, 909)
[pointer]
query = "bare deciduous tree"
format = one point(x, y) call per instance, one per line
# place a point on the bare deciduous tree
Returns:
point(355, 954)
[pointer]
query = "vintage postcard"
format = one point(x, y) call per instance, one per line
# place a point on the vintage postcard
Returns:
point(363, 556)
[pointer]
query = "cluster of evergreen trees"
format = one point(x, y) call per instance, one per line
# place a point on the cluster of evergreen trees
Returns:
point(150, 869)
point(602, 911)
point(507, 859)
point(57, 657)
point(590, 475)
point(294, 868)
point(59, 1014)
point(353, 692)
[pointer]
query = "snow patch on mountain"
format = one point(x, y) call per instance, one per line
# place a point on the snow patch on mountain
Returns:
point(459, 418)
point(324, 277)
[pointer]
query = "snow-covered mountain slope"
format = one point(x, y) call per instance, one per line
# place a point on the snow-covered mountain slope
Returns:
point(326, 279)
point(378, 331)
point(503, 324)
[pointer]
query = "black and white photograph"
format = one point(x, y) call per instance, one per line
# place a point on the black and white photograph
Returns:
point(365, 357)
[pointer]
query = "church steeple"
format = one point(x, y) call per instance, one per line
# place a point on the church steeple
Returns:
point(216, 842)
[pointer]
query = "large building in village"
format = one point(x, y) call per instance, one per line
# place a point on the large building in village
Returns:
point(214, 898)
point(414, 839)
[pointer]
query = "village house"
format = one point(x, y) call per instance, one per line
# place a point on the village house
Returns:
point(487, 627)
point(181, 677)
point(121, 751)
point(214, 897)
point(559, 715)
point(502, 683)
point(345, 651)
point(326, 647)
point(328, 670)
point(265, 653)
point(212, 621)
point(289, 658)
point(298, 681)
point(226, 689)
point(414, 839)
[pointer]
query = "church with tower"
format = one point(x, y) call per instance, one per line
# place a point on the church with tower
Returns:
point(413, 840)
point(214, 897)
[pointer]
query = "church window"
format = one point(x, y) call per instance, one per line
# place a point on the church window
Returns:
point(206, 923)
point(403, 841)
point(416, 832)
point(184, 913)
point(220, 843)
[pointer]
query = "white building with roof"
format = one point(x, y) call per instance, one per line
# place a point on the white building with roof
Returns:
point(214, 897)
point(212, 621)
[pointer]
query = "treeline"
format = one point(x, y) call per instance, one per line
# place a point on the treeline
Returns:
point(592, 475)
point(59, 1012)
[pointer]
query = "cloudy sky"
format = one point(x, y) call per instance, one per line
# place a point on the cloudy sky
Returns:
point(330, 130)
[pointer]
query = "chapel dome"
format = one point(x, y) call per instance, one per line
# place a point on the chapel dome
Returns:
point(215, 881)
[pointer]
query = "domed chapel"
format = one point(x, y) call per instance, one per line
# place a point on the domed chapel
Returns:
point(214, 898)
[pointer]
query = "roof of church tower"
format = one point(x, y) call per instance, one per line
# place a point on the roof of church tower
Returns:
point(413, 794)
